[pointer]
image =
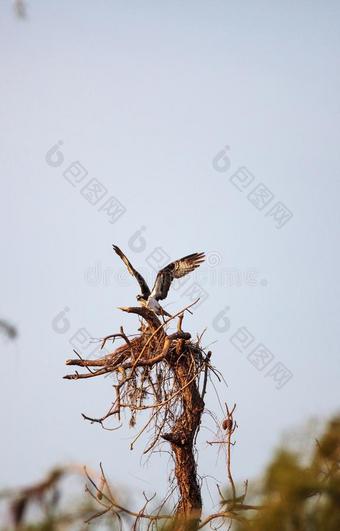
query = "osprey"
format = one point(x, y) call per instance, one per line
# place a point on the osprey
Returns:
point(164, 277)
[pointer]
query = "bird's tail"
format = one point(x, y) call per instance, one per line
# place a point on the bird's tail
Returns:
point(165, 313)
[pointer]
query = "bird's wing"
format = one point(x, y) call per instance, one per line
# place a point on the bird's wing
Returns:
point(176, 269)
point(143, 285)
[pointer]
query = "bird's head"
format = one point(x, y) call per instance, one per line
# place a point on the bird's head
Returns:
point(140, 298)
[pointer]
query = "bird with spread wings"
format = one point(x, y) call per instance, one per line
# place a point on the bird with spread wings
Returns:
point(177, 269)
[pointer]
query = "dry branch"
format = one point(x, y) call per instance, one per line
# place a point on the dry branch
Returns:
point(167, 374)
point(159, 372)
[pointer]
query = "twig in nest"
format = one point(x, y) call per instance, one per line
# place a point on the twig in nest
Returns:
point(114, 336)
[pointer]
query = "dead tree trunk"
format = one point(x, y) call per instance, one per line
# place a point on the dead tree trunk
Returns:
point(182, 438)
point(166, 368)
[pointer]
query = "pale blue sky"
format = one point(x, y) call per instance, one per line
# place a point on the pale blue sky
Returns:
point(144, 95)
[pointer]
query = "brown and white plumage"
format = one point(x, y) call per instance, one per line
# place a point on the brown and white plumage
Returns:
point(177, 269)
point(143, 285)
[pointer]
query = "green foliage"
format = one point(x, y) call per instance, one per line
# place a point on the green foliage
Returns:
point(298, 496)
point(298, 492)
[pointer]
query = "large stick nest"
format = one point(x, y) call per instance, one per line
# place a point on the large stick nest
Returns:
point(146, 373)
